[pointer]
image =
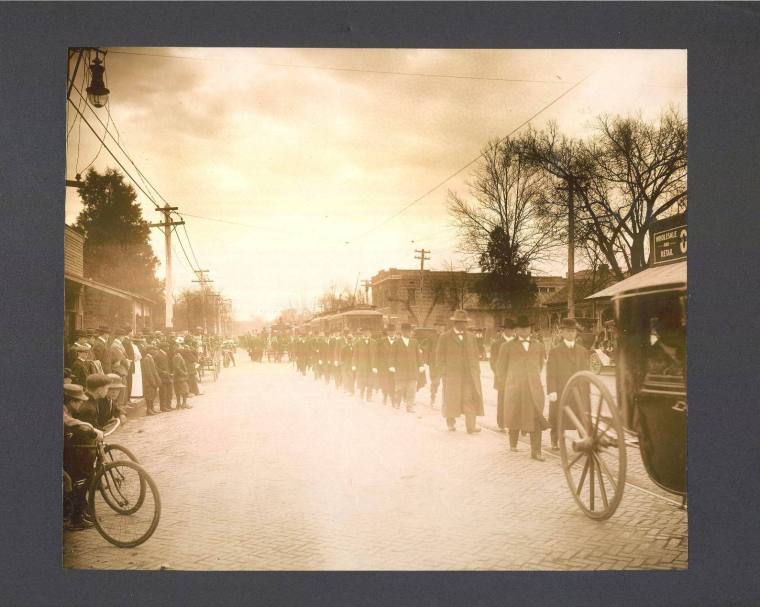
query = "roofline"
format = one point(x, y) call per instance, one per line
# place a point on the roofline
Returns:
point(88, 282)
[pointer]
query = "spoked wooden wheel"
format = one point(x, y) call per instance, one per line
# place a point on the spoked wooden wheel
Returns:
point(592, 445)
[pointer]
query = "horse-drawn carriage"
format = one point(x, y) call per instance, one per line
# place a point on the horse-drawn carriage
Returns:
point(650, 315)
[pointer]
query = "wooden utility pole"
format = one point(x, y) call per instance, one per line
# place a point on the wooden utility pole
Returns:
point(167, 225)
point(570, 248)
point(423, 256)
point(570, 187)
point(204, 281)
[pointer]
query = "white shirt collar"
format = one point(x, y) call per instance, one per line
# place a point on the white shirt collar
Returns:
point(406, 340)
point(569, 344)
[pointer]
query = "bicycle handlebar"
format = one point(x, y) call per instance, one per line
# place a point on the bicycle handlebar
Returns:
point(116, 423)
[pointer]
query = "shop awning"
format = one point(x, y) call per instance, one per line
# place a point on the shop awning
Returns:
point(87, 282)
point(670, 274)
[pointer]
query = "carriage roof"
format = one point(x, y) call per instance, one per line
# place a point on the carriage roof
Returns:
point(658, 278)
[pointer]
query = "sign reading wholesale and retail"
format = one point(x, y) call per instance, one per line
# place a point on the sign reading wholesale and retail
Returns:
point(669, 240)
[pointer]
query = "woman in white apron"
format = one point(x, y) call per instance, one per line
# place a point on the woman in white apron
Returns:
point(137, 387)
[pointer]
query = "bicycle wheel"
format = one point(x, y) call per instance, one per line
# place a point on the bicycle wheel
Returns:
point(127, 484)
point(110, 487)
point(116, 452)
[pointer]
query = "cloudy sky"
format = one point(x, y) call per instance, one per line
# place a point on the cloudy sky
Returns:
point(289, 164)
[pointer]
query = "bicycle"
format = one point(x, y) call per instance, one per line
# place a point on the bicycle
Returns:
point(122, 497)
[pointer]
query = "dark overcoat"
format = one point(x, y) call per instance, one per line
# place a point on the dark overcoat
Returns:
point(458, 362)
point(362, 357)
point(563, 362)
point(150, 377)
point(523, 391)
point(496, 345)
point(405, 359)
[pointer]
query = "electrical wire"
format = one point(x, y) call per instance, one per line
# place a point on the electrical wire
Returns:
point(350, 69)
point(123, 168)
point(474, 160)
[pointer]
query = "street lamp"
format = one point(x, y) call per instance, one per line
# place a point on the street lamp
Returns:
point(97, 93)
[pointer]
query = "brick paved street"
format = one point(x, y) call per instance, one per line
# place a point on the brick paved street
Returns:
point(271, 470)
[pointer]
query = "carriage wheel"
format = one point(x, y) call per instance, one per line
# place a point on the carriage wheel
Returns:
point(595, 364)
point(592, 445)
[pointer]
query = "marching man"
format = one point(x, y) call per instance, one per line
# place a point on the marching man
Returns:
point(565, 359)
point(458, 359)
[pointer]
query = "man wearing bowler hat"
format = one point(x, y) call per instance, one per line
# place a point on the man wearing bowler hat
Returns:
point(519, 367)
point(458, 361)
point(507, 335)
point(565, 359)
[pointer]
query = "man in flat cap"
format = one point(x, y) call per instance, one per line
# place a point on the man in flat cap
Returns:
point(151, 380)
point(81, 367)
point(405, 364)
point(506, 335)
point(565, 359)
point(161, 358)
point(519, 367)
point(458, 359)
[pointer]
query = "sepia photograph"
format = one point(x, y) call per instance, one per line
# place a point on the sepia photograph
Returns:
point(375, 309)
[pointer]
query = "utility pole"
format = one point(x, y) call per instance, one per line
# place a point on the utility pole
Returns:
point(204, 281)
point(167, 225)
point(423, 257)
point(366, 284)
point(570, 187)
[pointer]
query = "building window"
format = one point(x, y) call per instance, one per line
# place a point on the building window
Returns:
point(412, 297)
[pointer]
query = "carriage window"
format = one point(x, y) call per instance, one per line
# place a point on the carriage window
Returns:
point(666, 339)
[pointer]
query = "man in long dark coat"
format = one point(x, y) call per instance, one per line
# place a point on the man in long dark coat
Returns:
point(161, 358)
point(565, 359)
point(380, 366)
point(361, 363)
point(458, 361)
point(151, 380)
point(520, 363)
point(405, 364)
point(507, 335)
point(345, 355)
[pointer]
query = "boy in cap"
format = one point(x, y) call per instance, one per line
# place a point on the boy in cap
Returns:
point(78, 455)
point(565, 359)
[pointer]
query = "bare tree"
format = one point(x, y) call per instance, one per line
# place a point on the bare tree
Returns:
point(645, 167)
point(630, 174)
point(504, 193)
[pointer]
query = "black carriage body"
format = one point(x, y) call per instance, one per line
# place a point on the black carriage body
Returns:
point(651, 376)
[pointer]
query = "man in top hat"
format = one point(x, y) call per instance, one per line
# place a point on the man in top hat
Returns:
point(519, 368)
point(565, 359)
point(380, 356)
point(405, 364)
point(361, 363)
point(458, 361)
point(506, 335)
point(101, 349)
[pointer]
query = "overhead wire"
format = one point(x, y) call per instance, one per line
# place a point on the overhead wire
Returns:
point(357, 70)
point(474, 160)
